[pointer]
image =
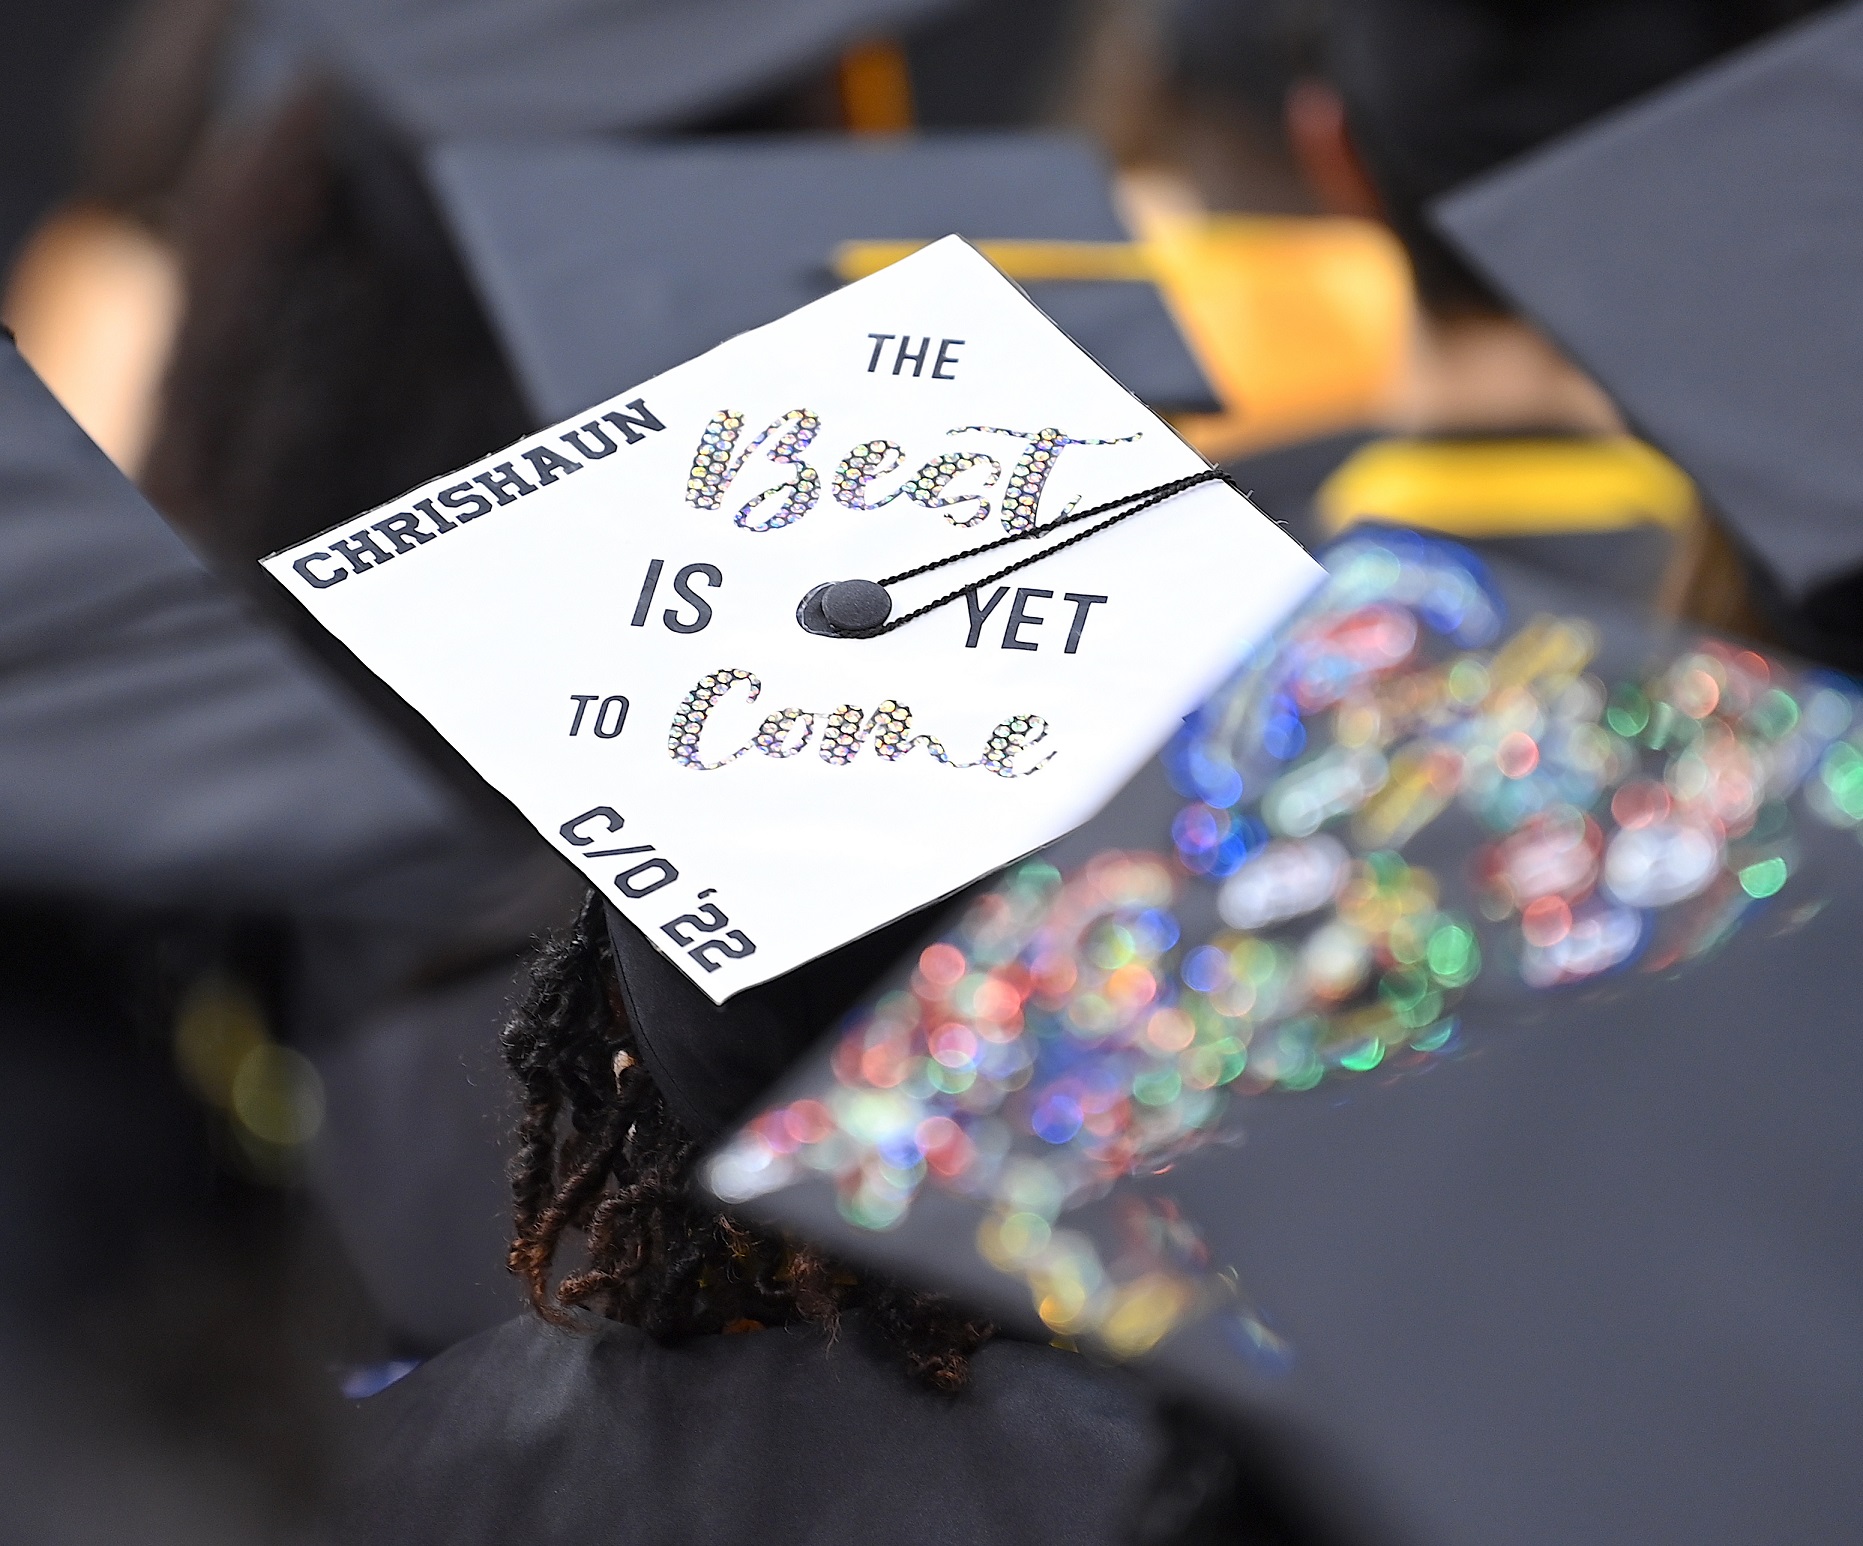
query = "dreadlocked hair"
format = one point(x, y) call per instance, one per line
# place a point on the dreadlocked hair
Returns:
point(601, 1154)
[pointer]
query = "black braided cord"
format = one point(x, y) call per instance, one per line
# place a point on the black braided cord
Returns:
point(1144, 499)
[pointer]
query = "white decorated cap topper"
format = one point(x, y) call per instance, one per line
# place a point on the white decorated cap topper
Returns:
point(607, 619)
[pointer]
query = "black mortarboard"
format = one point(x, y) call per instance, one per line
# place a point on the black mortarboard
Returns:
point(603, 263)
point(1437, 1059)
point(159, 744)
point(1439, 91)
point(1698, 255)
point(442, 68)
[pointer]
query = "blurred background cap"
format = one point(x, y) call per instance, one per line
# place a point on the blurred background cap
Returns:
point(161, 746)
point(439, 68)
point(1699, 256)
point(1589, 1280)
point(1572, 1264)
point(188, 805)
point(1439, 91)
point(605, 263)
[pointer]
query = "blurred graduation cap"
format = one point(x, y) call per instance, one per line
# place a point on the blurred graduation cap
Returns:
point(1698, 253)
point(604, 264)
point(170, 769)
point(443, 68)
point(985, 65)
point(1432, 1062)
point(162, 747)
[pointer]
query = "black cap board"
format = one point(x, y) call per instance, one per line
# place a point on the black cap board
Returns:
point(605, 263)
point(1698, 254)
point(441, 68)
point(1439, 91)
point(159, 744)
point(1438, 1060)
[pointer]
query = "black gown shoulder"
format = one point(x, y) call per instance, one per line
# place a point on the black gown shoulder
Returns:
point(535, 1434)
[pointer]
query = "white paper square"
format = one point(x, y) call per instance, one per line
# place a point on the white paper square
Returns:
point(509, 627)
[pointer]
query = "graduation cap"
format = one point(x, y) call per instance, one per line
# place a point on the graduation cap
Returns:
point(705, 636)
point(443, 68)
point(160, 746)
point(1440, 91)
point(1433, 1060)
point(1697, 254)
point(604, 263)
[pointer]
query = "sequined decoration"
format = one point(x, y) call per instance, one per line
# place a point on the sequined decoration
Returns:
point(1022, 493)
point(1037, 1055)
point(889, 729)
point(682, 738)
point(926, 487)
point(845, 731)
point(1009, 740)
point(776, 736)
point(869, 460)
point(716, 461)
point(1627, 823)
point(719, 459)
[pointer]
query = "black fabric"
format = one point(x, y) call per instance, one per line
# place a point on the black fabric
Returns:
point(410, 1162)
point(1628, 566)
point(81, 1460)
point(1698, 256)
point(1600, 1282)
point(1826, 625)
point(150, 1388)
point(711, 1061)
point(90, 1125)
point(783, 1437)
point(182, 786)
point(159, 744)
point(1438, 91)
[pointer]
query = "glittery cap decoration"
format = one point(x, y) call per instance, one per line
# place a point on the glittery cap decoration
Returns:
point(1404, 823)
